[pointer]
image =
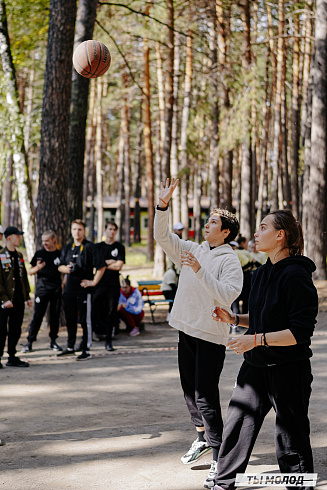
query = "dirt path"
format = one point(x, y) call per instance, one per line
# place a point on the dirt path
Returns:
point(118, 421)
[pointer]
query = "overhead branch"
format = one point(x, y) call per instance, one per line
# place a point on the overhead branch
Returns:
point(138, 12)
point(122, 55)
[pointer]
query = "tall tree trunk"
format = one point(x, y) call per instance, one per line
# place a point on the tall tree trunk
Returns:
point(174, 139)
point(316, 239)
point(98, 160)
point(161, 101)
point(147, 131)
point(7, 193)
point(214, 132)
point(89, 147)
point(246, 171)
point(295, 119)
point(127, 168)
point(277, 119)
point(165, 163)
point(85, 20)
point(137, 181)
point(184, 172)
point(264, 145)
point(120, 183)
point(306, 63)
point(52, 192)
point(17, 138)
point(197, 203)
point(223, 17)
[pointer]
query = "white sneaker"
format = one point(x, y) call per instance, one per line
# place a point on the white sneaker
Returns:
point(209, 482)
point(198, 449)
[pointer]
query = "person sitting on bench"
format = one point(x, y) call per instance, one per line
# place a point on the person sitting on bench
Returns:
point(169, 284)
point(130, 307)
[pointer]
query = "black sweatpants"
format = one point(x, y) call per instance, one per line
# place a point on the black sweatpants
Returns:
point(286, 388)
point(104, 310)
point(78, 309)
point(200, 364)
point(40, 307)
point(11, 320)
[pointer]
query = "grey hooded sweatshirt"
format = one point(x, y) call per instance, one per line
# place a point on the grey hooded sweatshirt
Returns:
point(218, 283)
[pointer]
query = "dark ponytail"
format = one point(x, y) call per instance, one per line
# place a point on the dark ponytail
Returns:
point(284, 220)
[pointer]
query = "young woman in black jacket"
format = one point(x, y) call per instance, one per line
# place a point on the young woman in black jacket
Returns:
point(276, 372)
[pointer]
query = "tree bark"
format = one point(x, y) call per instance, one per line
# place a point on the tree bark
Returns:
point(17, 138)
point(277, 119)
point(98, 160)
point(246, 170)
point(85, 20)
point(52, 192)
point(296, 119)
point(316, 240)
point(147, 131)
point(165, 163)
point(176, 207)
point(184, 172)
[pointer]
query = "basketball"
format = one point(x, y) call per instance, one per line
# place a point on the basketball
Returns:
point(91, 59)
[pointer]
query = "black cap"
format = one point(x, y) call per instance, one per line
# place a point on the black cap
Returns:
point(12, 230)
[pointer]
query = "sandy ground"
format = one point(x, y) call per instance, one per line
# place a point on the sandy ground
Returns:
point(118, 420)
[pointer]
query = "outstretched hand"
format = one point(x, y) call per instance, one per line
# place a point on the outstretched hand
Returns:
point(166, 191)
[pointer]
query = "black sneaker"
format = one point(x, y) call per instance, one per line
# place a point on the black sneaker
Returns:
point(66, 352)
point(27, 347)
point(109, 348)
point(16, 362)
point(55, 347)
point(84, 356)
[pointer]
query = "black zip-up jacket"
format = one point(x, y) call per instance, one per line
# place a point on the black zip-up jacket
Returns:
point(282, 297)
point(83, 259)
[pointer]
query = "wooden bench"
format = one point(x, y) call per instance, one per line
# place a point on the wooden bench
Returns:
point(151, 290)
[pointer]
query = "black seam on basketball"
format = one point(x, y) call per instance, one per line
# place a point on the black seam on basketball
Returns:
point(76, 62)
point(88, 60)
point(95, 71)
point(103, 70)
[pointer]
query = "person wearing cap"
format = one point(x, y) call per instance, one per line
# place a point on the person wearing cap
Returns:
point(211, 275)
point(178, 229)
point(14, 291)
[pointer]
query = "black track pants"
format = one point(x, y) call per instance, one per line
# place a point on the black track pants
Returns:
point(200, 364)
point(11, 320)
point(78, 309)
point(104, 310)
point(40, 306)
point(287, 389)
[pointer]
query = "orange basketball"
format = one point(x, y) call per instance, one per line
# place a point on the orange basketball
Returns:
point(91, 59)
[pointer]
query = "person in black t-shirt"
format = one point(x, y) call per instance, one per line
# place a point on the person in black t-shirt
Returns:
point(106, 293)
point(14, 291)
point(78, 258)
point(45, 265)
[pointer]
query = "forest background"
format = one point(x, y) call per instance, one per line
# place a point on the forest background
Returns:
point(229, 96)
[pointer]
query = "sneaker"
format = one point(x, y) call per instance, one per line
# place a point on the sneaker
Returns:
point(27, 347)
point(210, 480)
point(135, 332)
point(66, 352)
point(16, 362)
point(55, 347)
point(198, 449)
point(84, 356)
point(109, 348)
